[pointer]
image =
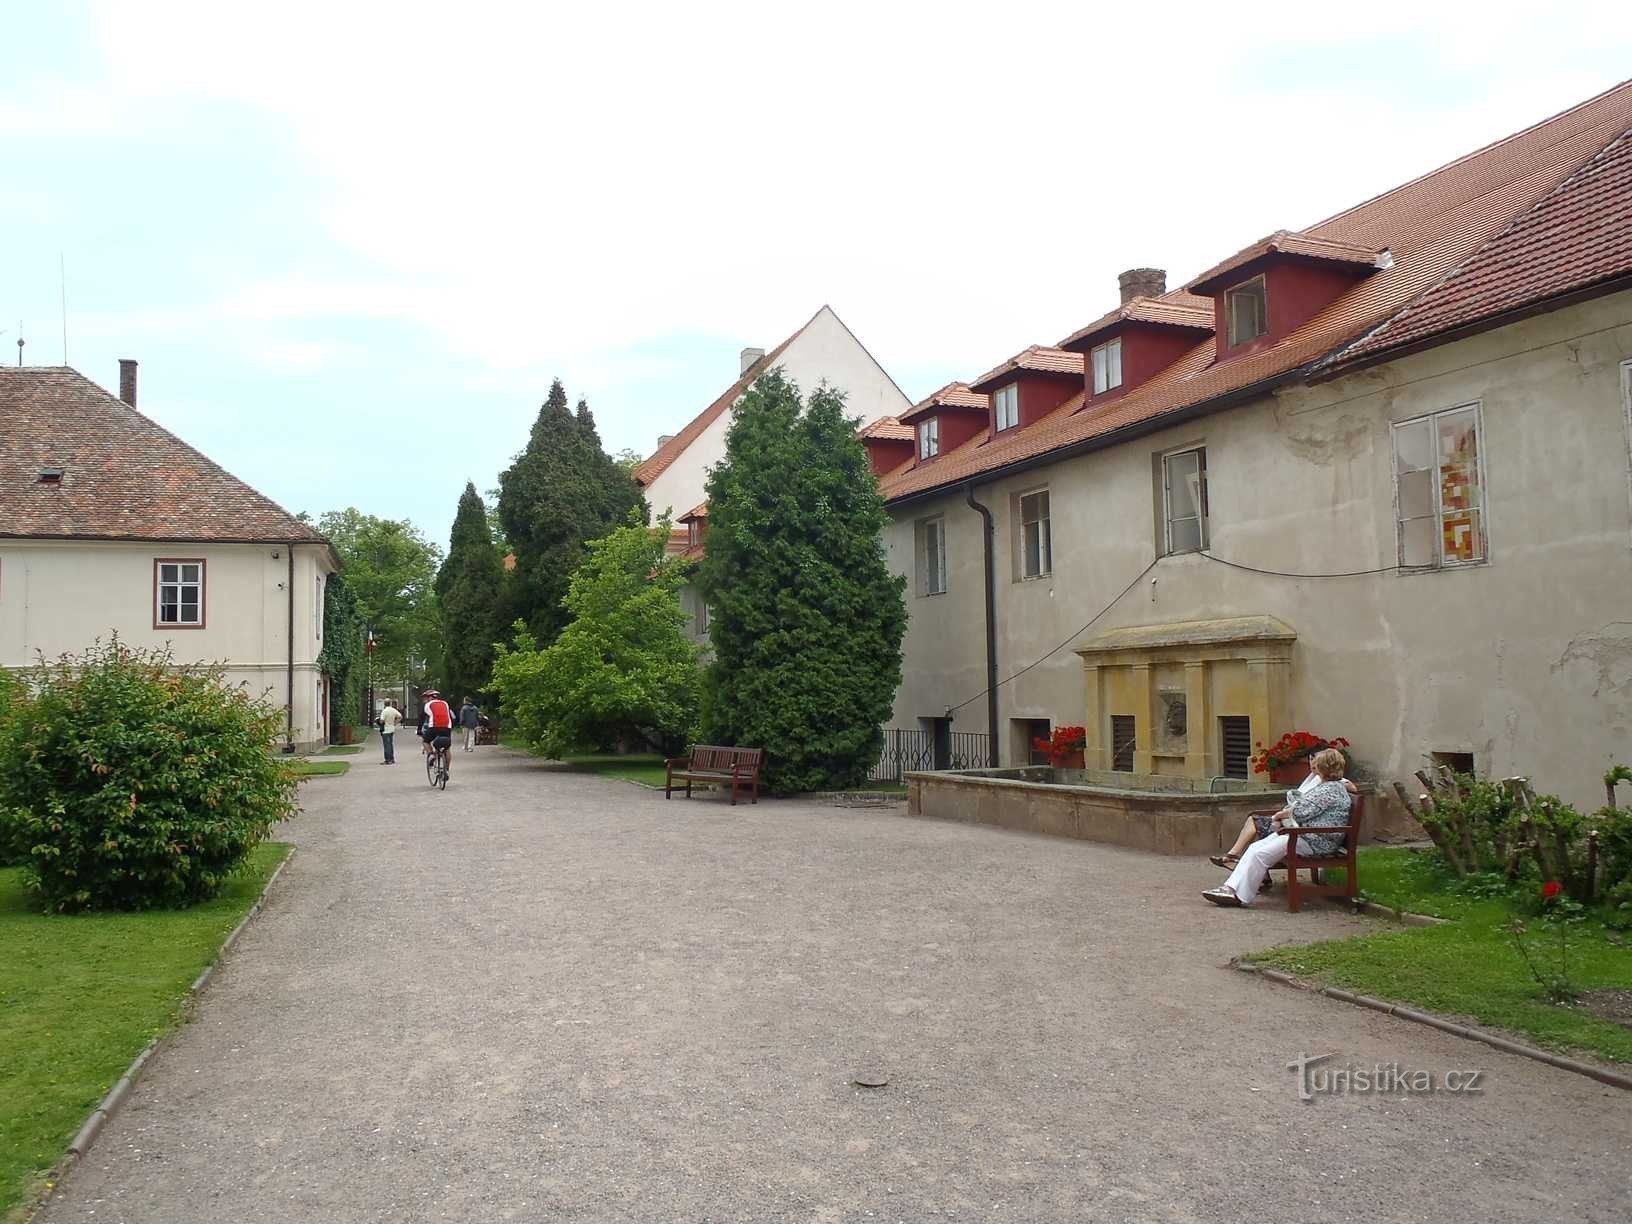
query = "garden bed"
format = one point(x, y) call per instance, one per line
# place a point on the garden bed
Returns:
point(1468, 966)
point(81, 995)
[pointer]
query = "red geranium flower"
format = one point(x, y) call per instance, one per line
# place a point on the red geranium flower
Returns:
point(1551, 889)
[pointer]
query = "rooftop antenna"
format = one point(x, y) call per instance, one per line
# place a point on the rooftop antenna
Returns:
point(62, 281)
point(19, 344)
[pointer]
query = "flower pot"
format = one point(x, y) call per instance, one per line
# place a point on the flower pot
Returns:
point(1068, 760)
point(1291, 774)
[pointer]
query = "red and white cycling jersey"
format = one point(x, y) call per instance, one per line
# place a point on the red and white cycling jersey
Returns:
point(438, 714)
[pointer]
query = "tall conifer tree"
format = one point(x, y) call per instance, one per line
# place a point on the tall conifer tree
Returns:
point(561, 491)
point(470, 586)
point(807, 618)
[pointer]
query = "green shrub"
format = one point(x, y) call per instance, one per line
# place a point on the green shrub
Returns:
point(10, 690)
point(132, 783)
point(622, 672)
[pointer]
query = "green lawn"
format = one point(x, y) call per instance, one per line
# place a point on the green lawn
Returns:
point(80, 996)
point(647, 769)
point(311, 769)
point(342, 749)
point(1467, 967)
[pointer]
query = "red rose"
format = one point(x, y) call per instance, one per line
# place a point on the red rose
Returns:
point(1551, 889)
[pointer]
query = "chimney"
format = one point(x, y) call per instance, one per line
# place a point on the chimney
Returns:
point(1142, 282)
point(127, 380)
point(749, 356)
point(663, 440)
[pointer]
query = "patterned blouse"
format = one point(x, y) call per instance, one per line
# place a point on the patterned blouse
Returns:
point(1325, 804)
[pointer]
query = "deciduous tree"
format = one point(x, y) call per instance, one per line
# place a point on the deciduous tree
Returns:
point(390, 568)
point(623, 670)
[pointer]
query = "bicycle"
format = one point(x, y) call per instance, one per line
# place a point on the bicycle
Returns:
point(436, 766)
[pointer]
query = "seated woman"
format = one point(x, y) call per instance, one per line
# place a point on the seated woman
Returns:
point(1260, 826)
point(1326, 804)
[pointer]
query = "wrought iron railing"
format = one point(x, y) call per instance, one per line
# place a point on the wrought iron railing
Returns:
point(906, 750)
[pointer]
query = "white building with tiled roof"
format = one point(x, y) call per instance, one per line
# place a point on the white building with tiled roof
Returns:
point(824, 349)
point(110, 524)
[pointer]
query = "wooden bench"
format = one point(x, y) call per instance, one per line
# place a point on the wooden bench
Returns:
point(488, 734)
point(1345, 858)
point(717, 764)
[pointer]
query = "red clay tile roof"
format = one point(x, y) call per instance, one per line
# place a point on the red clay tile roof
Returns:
point(889, 428)
point(678, 543)
point(699, 511)
point(1038, 358)
point(123, 476)
point(1574, 239)
point(671, 450)
point(1432, 225)
point(1176, 309)
point(953, 395)
point(1285, 242)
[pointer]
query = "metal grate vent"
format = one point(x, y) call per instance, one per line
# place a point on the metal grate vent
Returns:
point(1122, 742)
point(1235, 730)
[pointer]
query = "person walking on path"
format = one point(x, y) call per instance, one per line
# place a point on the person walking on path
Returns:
point(469, 717)
point(390, 720)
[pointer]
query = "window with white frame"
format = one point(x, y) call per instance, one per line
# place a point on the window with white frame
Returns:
point(1006, 406)
point(1247, 311)
point(929, 437)
point(178, 594)
point(1439, 495)
point(1036, 539)
point(317, 610)
point(1107, 360)
point(932, 556)
point(1184, 500)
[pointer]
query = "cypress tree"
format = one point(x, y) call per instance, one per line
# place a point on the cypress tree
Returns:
point(807, 619)
point(560, 491)
point(470, 586)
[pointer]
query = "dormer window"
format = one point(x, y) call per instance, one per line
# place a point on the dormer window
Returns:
point(1107, 360)
point(1006, 406)
point(1247, 311)
point(51, 476)
point(929, 437)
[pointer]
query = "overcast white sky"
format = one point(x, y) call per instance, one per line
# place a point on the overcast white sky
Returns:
point(352, 243)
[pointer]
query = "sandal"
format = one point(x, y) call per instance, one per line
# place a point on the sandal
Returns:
point(1222, 896)
point(1226, 860)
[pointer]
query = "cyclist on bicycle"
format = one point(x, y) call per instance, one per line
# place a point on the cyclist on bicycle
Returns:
point(436, 726)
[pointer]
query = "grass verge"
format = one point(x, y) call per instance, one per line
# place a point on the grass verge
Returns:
point(645, 769)
point(311, 769)
point(342, 749)
point(1467, 967)
point(80, 995)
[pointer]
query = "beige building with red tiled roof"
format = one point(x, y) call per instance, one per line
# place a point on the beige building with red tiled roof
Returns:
point(110, 524)
point(1369, 479)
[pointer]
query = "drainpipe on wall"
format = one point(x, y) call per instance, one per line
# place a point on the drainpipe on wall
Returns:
point(991, 624)
point(289, 710)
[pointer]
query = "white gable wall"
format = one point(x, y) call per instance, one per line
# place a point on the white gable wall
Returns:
point(824, 349)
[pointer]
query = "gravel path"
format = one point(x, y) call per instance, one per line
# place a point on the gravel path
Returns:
point(544, 996)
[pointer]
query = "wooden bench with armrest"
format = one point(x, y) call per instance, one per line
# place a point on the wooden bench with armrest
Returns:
point(1296, 857)
point(736, 767)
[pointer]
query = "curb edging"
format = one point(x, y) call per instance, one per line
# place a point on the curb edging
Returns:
point(116, 1096)
point(1602, 1074)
